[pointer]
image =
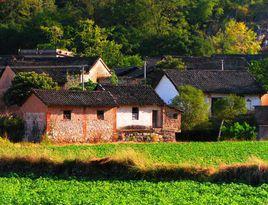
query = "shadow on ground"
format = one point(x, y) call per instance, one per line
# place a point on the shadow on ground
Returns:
point(110, 169)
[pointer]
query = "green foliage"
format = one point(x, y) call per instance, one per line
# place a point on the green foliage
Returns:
point(89, 86)
point(12, 128)
point(236, 39)
point(171, 63)
point(23, 190)
point(229, 107)
point(132, 27)
point(192, 101)
point(22, 85)
point(260, 71)
point(239, 131)
point(114, 79)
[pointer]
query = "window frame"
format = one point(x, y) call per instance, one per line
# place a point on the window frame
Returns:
point(101, 114)
point(67, 114)
point(135, 113)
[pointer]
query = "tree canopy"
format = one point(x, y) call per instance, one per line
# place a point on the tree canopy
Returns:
point(229, 107)
point(192, 101)
point(260, 71)
point(23, 83)
point(124, 31)
point(236, 38)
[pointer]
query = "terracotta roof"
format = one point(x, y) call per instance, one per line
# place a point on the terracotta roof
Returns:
point(134, 95)
point(225, 82)
point(76, 98)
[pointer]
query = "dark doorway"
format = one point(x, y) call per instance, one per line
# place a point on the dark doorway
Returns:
point(156, 121)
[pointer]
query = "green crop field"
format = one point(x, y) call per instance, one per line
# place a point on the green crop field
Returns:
point(50, 191)
point(31, 189)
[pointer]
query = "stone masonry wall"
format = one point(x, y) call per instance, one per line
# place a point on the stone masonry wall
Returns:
point(83, 127)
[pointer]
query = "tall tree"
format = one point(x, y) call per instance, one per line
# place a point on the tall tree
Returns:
point(236, 39)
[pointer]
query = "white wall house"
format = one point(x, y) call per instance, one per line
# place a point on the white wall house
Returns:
point(167, 90)
point(144, 118)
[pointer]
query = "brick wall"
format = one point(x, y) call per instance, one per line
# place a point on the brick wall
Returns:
point(171, 124)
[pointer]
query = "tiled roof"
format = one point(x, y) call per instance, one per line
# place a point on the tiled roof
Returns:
point(134, 95)
point(76, 98)
point(44, 62)
point(56, 68)
point(225, 82)
point(59, 75)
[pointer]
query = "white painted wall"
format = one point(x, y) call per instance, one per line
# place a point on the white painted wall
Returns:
point(124, 116)
point(255, 100)
point(166, 90)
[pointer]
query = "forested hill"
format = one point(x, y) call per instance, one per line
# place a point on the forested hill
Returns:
point(124, 31)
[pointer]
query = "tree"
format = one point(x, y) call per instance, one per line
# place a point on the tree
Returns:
point(88, 86)
point(87, 39)
point(228, 108)
point(171, 63)
point(237, 38)
point(22, 85)
point(192, 101)
point(260, 71)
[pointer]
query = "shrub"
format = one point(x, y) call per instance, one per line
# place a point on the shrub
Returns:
point(239, 131)
point(12, 127)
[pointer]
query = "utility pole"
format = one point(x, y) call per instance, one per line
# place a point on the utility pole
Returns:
point(145, 71)
point(222, 64)
point(83, 81)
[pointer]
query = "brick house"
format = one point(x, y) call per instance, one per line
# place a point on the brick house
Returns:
point(66, 71)
point(105, 115)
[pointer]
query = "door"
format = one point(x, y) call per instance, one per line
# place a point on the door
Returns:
point(155, 118)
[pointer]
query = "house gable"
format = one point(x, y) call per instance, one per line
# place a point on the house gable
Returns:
point(98, 70)
point(34, 105)
point(6, 79)
point(166, 90)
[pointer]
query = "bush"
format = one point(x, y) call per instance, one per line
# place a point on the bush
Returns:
point(239, 131)
point(12, 128)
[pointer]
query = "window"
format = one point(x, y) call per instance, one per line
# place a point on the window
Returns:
point(135, 113)
point(67, 114)
point(100, 115)
point(249, 104)
point(175, 116)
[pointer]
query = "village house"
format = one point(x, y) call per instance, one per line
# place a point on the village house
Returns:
point(112, 113)
point(64, 69)
point(214, 83)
